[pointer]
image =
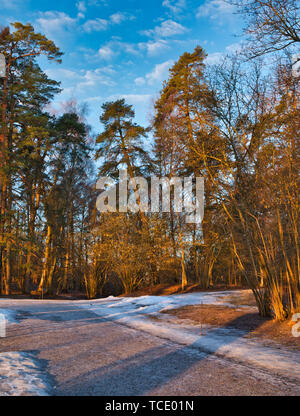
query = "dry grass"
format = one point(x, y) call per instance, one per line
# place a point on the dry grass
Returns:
point(244, 298)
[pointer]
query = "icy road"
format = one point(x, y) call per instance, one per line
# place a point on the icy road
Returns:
point(124, 347)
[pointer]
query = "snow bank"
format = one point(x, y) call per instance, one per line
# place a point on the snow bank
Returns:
point(137, 313)
point(146, 305)
point(21, 375)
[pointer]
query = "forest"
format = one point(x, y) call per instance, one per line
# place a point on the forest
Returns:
point(235, 123)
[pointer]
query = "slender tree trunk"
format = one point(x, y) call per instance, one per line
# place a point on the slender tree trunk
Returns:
point(7, 283)
point(46, 261)
point(184, 281)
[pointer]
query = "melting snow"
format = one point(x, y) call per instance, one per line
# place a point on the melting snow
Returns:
point(21, 375)
point(137, 313)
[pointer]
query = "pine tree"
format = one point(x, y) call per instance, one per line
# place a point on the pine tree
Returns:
point(26, 89)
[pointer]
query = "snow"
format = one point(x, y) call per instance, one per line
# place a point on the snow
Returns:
point(21, 375)
point(20, 372)
point(154, 304)
point(138, 313)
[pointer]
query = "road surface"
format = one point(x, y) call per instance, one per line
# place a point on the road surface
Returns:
point(83, 354)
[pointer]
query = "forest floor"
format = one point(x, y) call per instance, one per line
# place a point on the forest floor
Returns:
point(246, 319)
point(266, 329)
point(196, 343)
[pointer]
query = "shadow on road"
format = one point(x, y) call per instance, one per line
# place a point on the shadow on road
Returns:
point(135, 373)
point(148, 370)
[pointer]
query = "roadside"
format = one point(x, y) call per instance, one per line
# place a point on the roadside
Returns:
point(242, 314)
point(266, 330)
point(22, 374)
point(158, 315)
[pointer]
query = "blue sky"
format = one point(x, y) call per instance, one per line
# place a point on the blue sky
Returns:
point(124, 48)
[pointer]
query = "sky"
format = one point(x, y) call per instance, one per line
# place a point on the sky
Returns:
point(124, 48)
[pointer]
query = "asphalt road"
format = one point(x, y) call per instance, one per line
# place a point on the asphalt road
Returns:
point(85, 355)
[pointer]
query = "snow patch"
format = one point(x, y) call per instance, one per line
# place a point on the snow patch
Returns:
point(21, 375)
point(154, 304)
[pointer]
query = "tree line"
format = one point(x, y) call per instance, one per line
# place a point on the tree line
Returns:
point(235, 123)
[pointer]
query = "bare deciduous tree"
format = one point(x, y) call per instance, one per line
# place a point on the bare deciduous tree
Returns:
point(272, 25)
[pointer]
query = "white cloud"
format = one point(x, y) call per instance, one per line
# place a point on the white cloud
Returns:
point(127, 47)
point(166, 29)
point(55, 23)
point(115, 47)
point(215, 9)
point(92, 78)
point(79, 81)
point(154, 48)
point(81, 7)
point(216, 57)
point(120, 17)
point(96, 2)
point(175, 6)
point(233, 48)
point(106, 52)
point(97, 98)
point(98, 25)
point(95, 25)
point(159, 74)
point(140, 81)
point(11, 4)
point(108, 70)
point(62, 74)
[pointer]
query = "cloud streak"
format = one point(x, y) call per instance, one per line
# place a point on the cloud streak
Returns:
point(217, 10)
point(54, 23)
point(166, 29)
point(98, 25)
point(174, 6)
point(159, 74)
